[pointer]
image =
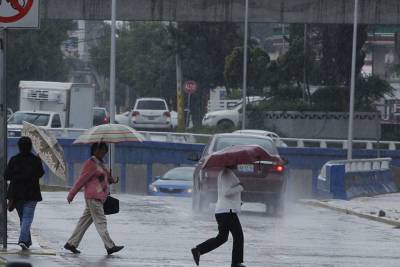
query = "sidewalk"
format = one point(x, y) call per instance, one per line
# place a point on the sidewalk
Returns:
point(366, 207)
point(39, 253)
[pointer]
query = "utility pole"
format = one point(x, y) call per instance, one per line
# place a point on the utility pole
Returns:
point(111, 158)
point(3, 137)
point(352, 83)
point(246, 23)
point(179, 93)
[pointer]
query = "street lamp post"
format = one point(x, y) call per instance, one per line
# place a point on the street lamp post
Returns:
point(353, 81)
point(112, 75)
point(246, 22)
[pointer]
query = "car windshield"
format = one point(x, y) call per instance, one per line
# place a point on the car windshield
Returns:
point(226, 141)
point(183, 174)
point(151, 104)
point(97, 112)
point(34, 118)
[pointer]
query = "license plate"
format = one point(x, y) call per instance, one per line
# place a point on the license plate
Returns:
point(245, 168)
point(151, 118)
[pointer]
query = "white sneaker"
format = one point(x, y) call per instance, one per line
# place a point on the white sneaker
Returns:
point(23, 246)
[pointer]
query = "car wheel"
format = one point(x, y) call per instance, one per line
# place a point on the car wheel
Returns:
point(225, 124)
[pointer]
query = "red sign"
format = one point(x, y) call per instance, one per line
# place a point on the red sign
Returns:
point(190, 87)
point(22, 10)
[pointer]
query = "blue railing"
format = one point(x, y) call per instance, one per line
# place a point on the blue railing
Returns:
point(138, 163)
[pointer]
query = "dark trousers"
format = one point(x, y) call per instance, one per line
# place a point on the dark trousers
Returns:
point(227, 222)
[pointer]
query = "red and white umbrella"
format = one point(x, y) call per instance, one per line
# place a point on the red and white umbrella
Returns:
point(239, 154)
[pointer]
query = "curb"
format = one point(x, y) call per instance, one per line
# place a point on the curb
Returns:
point(43, 249)
point(322, 204)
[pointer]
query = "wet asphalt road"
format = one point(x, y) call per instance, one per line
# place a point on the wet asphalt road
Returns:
point(159, 231)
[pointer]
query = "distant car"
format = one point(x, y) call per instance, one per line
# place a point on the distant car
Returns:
point(228, 118)
point(151, 114)
point(124, 118)
point(45, 119)
point(263, 182)
point(175, 182)
point(100, 116)
point(272, 135)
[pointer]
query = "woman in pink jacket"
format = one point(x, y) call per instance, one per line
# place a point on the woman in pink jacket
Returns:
point(95, 177)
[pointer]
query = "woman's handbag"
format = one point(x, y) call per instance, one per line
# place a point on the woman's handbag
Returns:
point(111, 205)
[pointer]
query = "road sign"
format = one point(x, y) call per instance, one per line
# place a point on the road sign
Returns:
point(190, 87)
point(19, 13)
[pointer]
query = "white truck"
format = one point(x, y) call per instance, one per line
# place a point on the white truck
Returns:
point(53, 105)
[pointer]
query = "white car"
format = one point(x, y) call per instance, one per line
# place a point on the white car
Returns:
point(228, 118)
point(151, 114)
point(45, 119)
point(272, 135)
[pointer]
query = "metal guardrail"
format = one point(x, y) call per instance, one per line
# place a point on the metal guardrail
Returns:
point(336, 143)
point(176, 137)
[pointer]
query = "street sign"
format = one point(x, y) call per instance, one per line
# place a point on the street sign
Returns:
point(19, 13)
point(190, 87)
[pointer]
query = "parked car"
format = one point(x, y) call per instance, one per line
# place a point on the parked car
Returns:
point(263, 182)
point(100, 116)
point(272, 135)
point(228, 118)
point(175, 182)
point(45, 119)
point(151, 113)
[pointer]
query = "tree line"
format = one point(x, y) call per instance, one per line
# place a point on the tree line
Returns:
point(314, 73)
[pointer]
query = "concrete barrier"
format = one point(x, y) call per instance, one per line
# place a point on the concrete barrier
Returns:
point(355, 178)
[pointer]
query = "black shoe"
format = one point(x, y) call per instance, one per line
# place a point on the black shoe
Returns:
point(196, 255)
point(238, 265)
point(114, 249)
point(23, 246)
point(71, 248)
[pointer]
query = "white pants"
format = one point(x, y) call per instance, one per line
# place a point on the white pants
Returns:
point(93, 213)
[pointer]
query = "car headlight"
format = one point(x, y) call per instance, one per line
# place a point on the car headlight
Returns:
point(189, 190)
point(153, 188)
point(208, 117)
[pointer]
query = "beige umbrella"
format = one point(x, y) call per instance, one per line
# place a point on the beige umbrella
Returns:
point(110, 133)
point(47, 149)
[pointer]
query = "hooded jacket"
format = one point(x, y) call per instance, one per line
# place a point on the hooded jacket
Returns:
point(95, 178)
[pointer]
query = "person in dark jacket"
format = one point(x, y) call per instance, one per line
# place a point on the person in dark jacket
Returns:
point(24, 171)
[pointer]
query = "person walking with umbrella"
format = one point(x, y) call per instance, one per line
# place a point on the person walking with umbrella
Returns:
point(24, 171)
point(95, 177)
point(228, 205)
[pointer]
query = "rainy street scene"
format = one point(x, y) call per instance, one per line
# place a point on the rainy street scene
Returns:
point(174, 133)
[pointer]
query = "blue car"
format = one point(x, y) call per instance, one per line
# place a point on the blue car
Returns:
point(175, 182)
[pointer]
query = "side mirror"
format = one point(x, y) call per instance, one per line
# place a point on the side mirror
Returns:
point(193, 157)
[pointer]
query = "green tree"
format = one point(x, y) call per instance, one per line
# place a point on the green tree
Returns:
point(36, 55)
point(258, 75)
point(203, 48)
point(144, 60)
